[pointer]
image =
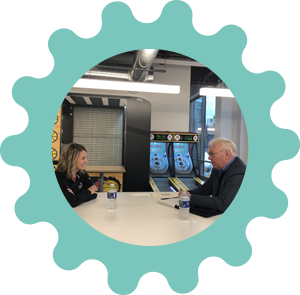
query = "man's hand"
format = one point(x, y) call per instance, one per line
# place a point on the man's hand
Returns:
point(180, 193)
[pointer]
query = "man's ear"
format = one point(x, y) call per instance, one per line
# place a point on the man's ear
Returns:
point(228, 154)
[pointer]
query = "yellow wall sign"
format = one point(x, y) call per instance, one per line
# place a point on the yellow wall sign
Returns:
point(56, 137)
point(54, 154)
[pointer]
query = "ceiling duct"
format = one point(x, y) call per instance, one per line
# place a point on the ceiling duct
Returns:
point(142, 63)
point(119, 74)
point(138, 72)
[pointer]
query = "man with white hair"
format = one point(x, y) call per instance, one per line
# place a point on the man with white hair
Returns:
point(227, 175)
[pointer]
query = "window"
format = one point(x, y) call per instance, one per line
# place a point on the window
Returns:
point(202, 121)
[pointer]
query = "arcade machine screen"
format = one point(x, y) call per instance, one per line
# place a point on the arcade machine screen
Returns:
point(183, 162)
point(158, 158)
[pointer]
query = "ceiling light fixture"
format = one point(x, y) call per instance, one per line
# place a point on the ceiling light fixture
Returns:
point(218, 92)
point(126, 86)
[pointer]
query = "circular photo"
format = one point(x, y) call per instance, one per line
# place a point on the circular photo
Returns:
point(104, 149)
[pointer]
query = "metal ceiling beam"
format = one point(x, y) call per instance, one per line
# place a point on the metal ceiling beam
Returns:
point(178, 62)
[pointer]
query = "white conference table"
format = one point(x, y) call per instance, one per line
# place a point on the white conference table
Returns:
point(140, 220)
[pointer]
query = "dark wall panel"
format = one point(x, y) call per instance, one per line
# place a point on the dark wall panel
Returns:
point(137, 145)
point(67, 124)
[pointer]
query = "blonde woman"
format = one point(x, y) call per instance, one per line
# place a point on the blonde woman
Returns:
point(72, 178)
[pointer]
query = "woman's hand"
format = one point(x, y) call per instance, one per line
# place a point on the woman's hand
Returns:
point(93, 189)
point(69, 190)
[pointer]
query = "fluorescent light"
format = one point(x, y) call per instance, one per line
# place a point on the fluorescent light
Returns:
point(208, 129)
point(126, 86)
point(211, 91)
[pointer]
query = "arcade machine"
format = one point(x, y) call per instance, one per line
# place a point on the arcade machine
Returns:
point(186, 162)
point(161, 161)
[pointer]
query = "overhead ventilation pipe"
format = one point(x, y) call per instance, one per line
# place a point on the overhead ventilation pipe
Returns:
point(142, 62)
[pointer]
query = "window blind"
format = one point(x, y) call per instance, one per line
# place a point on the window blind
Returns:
point(100, 131)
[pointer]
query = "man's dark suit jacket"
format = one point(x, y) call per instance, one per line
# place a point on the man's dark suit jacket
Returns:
point(230, 185)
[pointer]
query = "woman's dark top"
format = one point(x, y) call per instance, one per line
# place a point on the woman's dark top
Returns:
point(79, 188)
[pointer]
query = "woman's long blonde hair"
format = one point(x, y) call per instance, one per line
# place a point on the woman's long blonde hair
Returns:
point(68, 159)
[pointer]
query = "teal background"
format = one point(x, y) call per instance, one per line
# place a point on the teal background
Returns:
point(255, 94)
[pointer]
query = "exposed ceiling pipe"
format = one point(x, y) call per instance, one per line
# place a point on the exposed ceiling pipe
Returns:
point(108, 74)
point(142, 63)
